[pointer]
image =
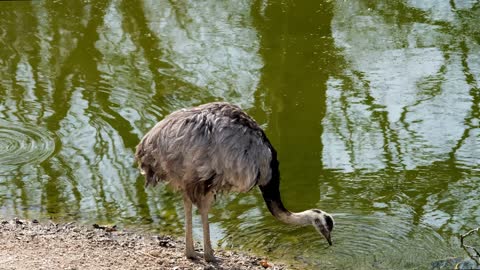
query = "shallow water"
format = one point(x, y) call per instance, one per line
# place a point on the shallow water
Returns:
point(373, 108)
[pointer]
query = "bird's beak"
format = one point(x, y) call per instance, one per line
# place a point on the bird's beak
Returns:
point(329, 240)
point(327, 236)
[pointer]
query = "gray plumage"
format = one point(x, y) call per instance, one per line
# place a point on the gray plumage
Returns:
point(217, 147)
point(211, 147)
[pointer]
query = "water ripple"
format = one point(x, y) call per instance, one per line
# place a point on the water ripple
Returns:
point(24, 144)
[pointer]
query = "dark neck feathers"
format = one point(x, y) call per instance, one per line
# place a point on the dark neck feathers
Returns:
point(271, 191)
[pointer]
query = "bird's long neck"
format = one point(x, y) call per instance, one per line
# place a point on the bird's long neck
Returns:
point(271, 195)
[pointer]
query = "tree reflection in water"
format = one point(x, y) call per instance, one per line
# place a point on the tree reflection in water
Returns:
point(373, 107)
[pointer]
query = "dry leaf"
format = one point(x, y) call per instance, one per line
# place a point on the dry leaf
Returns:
point(264, 263)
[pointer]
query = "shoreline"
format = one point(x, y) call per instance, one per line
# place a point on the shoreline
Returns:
point(26, 244)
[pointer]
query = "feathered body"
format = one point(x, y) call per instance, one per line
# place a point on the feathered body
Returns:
point(214, 147)
point(217, 147)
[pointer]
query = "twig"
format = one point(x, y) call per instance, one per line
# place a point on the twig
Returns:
point(467, 248)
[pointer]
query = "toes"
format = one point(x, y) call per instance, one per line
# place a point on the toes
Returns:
point(209, 258)
point(191, 255)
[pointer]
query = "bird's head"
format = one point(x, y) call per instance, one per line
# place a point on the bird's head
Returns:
point(323, 223)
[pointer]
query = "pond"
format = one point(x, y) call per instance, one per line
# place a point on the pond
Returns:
point(373, 107)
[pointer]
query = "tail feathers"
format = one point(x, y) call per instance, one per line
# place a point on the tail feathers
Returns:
point(146, 163)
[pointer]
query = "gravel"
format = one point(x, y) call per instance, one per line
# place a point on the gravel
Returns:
point(46, 245)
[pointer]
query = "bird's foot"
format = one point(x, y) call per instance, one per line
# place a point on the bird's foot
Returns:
point(192, 255)
point(209, 257)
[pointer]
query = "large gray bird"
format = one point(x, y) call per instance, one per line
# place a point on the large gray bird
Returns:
point(214, 148)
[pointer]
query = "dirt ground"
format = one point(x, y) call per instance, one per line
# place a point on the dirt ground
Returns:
point(46, 245)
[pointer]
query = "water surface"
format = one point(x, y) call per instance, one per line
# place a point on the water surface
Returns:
point(372, 106)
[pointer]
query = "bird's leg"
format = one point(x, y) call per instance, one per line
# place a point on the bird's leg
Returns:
point(204, 208)
point(189, 251)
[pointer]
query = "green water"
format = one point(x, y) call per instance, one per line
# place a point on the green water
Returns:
point(373, 107)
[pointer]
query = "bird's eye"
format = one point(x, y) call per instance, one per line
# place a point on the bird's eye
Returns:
point(317, 221)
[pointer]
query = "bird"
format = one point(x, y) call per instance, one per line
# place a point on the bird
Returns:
point(212, 149)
